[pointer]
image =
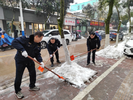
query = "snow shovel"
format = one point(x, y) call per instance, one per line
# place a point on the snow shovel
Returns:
point(61, 77)
point(40, 68)
point(72, 56)
point(45, 67)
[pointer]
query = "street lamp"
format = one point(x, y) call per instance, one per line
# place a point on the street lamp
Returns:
point(21, 16)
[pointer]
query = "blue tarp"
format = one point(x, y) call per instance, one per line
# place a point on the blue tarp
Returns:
point(7, 39)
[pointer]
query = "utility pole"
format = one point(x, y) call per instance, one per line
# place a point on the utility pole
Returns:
point(21, 17)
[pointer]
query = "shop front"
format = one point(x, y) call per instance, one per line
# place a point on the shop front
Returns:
point(95, 25)
point(1, 18)
point(81, 26)
point(69, 23)
point(32, 22)
point(16, 27)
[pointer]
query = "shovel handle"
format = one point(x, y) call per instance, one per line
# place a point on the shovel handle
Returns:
point(51, 57)
point(45, 66)
point(85, 52)
point(34, 60)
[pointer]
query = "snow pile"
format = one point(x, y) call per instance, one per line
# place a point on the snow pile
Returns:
point(75, 73)
point(112, 51)
point(82, 37)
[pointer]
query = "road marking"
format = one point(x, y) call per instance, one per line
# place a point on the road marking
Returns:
point(83, 93)
point(6, 55)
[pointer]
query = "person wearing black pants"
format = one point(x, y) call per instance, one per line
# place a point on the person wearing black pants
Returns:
point(93, 42)
point(20, 67)
point(27, 46)
point(52, 46)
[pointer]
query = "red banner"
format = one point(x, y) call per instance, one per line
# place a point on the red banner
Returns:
point(95, 23)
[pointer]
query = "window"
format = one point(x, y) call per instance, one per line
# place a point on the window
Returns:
point(82, 6)
point(55, 33)
point(65, 32)
point(78, 7)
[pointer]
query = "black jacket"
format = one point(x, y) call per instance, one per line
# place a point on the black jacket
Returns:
point(27, 44)
point(53, 47)
point(93, 43)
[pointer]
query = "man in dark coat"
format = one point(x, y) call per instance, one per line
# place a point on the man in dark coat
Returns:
point(52, 46)
point(92, 43)
point(27, 46)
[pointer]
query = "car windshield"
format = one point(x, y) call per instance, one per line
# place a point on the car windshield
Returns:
point(46, 31)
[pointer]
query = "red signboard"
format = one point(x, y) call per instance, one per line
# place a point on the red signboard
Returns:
point(95, 23)
point(68, 21)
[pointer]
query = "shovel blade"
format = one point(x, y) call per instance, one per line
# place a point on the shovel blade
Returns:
point(72, 57)
point(40, 69)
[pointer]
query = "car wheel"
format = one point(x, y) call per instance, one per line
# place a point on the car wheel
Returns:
point(111, 39)
point(121, 38)
point(43, 45)
point(11, 47)
point(67, 41)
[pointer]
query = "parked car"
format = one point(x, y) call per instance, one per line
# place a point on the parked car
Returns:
point(55, 33)
point(128, 49)
point(125, 32)
point(113, 34)
point(101, 33)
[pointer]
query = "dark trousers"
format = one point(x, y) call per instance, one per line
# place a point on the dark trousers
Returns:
point(20, 67)
point(57, 57)
point(93, 56)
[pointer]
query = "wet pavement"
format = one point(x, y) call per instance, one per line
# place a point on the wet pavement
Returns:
point(117, 85)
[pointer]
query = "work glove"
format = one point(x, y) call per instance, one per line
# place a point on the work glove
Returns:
point(25, 54)
point(58, 47)
point(97, 47)
point(42, 64)
point(51, 55)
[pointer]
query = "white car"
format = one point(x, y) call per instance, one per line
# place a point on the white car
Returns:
point(128, 50)
point(48, 34)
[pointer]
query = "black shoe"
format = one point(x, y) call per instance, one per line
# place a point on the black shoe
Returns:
point(58, 62)
point(34, 88)
point(87, 64)
point(52, 65)
point(19, 95)
point(94, 63)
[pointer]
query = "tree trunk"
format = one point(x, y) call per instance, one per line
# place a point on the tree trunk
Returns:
point(67, 54)
point(46, 25)
point(12, 30)
point(129, 34)
point(60, 27)
point(107, 22)
point(118, 25)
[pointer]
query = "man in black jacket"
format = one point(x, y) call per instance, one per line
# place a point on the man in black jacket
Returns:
point(52, 46)
point(93, 42)
point(27, 46)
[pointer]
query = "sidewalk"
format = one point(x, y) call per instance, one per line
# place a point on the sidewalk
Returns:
point(111, 87)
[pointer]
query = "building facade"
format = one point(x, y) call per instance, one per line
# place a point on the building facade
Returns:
point(32, 22)
point(79, 6)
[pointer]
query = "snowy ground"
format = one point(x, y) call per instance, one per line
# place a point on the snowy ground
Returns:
point(75, 73)
point(78, 74)
point(112, 51)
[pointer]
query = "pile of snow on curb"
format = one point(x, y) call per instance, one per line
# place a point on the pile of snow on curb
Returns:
point(75, 73)
point(112, 51)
